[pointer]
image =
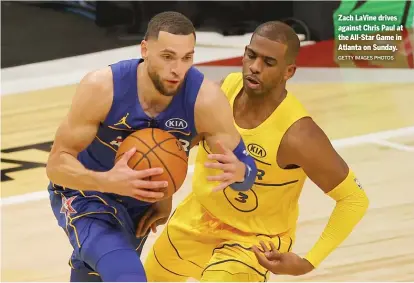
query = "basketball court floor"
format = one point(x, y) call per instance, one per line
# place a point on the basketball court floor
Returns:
point(368, 114)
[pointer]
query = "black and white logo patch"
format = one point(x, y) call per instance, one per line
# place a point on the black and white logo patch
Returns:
point(176, 123)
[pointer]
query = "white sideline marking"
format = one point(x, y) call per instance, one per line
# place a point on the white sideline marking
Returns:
point(373, 137)
point(394, 145)
point(25, 198)
point(339, 143)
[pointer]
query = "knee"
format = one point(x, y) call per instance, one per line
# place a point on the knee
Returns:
point(121, 266)
point(100, 239)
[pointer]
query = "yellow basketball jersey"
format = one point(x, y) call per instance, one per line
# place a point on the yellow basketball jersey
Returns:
point(270, 207)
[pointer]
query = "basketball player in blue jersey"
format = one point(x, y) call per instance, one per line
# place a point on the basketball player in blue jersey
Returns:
point(98, 203)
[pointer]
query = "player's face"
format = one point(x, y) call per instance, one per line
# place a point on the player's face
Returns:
point(265, 66)
point(169, 58)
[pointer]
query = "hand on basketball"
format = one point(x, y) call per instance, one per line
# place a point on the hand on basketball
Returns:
point(156, 215)
point(123, 180)
point(281, 263)
point(233, 169)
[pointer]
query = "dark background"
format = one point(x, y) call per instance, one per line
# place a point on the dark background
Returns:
point(39, 31)
point(35, 31)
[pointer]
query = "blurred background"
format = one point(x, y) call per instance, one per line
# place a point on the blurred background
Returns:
point(36, 31)
point(364, 105)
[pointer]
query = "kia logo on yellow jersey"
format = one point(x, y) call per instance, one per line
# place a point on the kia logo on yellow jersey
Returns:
point(256, 150)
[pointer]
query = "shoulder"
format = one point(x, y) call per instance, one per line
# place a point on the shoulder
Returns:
point(302, 132)
point(213, 112)
point(210, 94)
point(304, 140)
point(126, 65)
point(95, 91)
point(212, 109)
point(100, 79)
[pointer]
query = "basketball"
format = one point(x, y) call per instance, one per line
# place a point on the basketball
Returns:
point(157, 148)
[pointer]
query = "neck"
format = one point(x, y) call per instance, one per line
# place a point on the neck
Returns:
point(148, 94)
point(250, 111)
point(267, 101)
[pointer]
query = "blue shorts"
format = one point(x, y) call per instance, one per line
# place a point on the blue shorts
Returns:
point(86, 216)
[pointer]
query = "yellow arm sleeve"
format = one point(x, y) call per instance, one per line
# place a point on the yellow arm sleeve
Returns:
point(351, 205)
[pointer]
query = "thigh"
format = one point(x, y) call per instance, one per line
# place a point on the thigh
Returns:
point(98, 237)
point(74, 210)
point(234, 261)
point(183, 248)
point(109, 250)
point(101, 230)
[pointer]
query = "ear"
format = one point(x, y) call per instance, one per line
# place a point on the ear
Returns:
point(289, 72)
point(245, 49)
point(144, 49)
point(244, 54)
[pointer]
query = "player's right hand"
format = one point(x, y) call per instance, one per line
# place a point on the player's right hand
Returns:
point(281, 263)
point(123, 180)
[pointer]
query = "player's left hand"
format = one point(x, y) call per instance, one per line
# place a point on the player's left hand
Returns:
point(281, 263)
point(233, 169)
point(156, 215)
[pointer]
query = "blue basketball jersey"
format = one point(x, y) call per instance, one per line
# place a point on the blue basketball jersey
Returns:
point(126, 115)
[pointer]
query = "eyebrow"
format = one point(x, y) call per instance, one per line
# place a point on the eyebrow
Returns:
point(167, 50)
point(266, 57)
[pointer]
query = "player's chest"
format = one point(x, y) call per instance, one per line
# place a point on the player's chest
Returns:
point(116, 131)
point(262, 147)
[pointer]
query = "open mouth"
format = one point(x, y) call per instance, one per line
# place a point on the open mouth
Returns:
point(252, 81)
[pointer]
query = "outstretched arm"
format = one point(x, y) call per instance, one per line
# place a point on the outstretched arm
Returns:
point(306, 145)
point(214, 121)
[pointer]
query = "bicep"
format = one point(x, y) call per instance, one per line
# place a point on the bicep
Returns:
point(214, 119)
point(90, 105)
point(74, 135)
point(327, 171)
point(312, 150)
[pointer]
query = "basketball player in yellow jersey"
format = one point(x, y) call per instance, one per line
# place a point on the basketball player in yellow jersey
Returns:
point(241, 236)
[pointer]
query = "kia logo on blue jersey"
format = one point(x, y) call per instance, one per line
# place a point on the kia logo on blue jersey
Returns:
point(176, 123)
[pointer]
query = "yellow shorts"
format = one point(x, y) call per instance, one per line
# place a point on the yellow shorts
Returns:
point(195, 245)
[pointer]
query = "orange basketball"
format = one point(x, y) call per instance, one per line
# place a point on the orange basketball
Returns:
point(157, 148)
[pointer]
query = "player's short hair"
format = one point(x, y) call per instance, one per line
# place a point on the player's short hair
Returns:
point(171, 22)
point(282, 33)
